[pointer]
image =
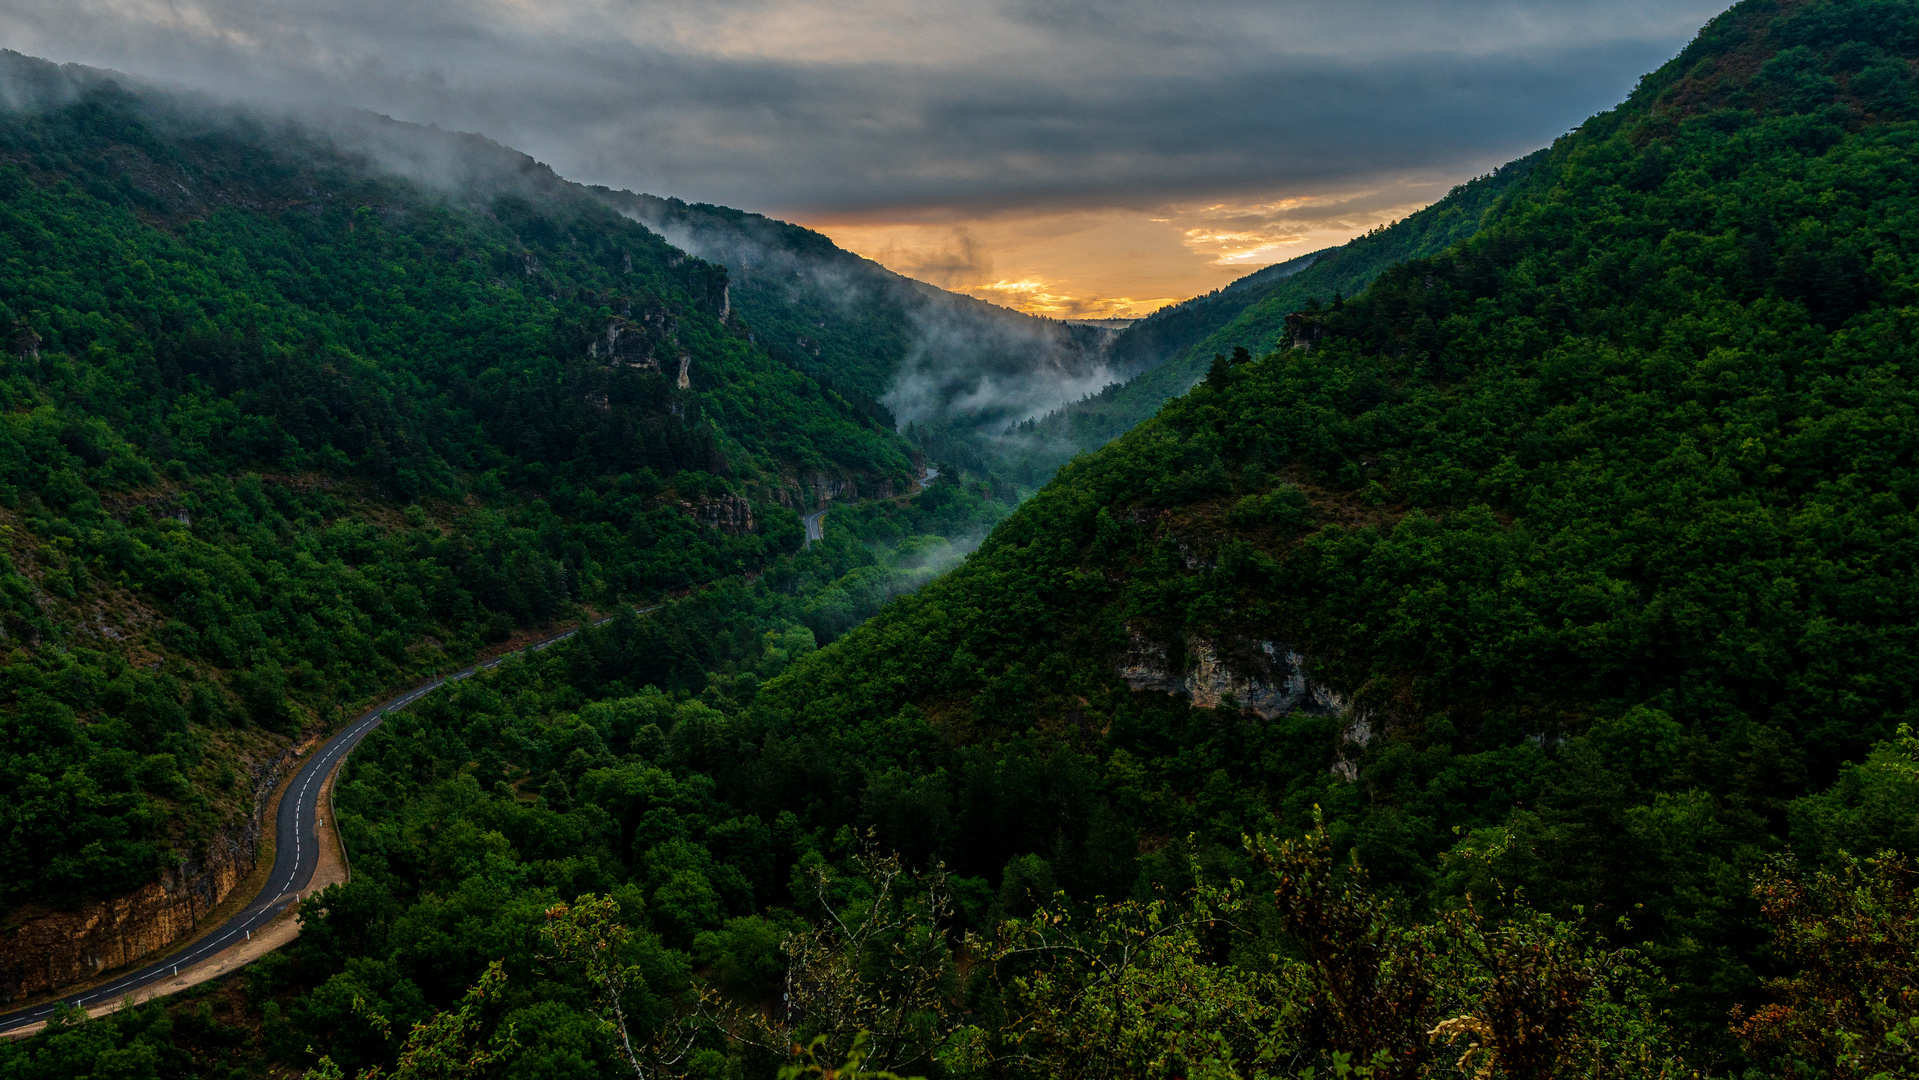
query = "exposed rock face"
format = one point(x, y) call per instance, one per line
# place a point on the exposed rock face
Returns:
point(1265, 676)
point(1146, 667)
point(727, 513)
point(45, 952)
point(1354, 735)
point(638, 340)
point(1192, 555)
point(826, 488)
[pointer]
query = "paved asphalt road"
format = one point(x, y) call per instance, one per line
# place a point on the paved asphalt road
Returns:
point(817, 531)
point(297, 842)
point(296, 851)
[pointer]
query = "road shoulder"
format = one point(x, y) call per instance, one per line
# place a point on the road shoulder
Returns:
point(330, 870)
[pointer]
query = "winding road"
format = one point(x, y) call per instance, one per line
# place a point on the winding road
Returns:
point(296, 853)
point(296, 841)
point(816, 530)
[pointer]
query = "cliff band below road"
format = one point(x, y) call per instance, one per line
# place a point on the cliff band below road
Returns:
point(331, 869)
point(309, 814)
point(44, 953)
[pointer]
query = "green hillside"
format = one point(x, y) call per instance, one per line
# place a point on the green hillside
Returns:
point(283, 430)
point(1172, 330)
point(1172, 349)
point(952, 372)
point(1593, 535)
point(1508, 675)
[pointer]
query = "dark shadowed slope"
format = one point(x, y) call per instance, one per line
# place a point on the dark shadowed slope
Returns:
point(1581, 549)
point(952, 369)
point(1173, 348)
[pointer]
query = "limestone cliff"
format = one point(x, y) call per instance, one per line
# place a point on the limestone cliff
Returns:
point(1267, 677)
point(637, 339)
point(730, 514)
point(41, 952)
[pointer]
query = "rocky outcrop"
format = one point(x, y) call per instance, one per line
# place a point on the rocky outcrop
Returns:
point(40, 953)
point(828, 488)
point(1354, 735)
point(730, 514)
point(26, 343)
point(1267, 677)
point(1145, 665)
point(638, 339)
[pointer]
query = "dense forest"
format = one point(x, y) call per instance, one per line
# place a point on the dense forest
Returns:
point(283, 430)
point(1504, 673)
point(1172, 349)
point(1588, 537)
point(953, 372)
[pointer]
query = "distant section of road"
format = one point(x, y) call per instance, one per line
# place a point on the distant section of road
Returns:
point(815, 521)
point(296, 849)
point(296, 838)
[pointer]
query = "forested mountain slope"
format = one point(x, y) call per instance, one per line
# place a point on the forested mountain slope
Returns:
point(1587, 546)
point(1172, 349)
point(283, 429)
point(950, 370)
point(1174, 329)
point(1566, 575)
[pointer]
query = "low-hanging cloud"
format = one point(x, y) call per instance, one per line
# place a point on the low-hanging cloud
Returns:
point(958, 260)
point(966, 364)
point(855, 104)
point(994, 371)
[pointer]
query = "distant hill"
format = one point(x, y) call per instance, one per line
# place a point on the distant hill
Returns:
point(950, 370)
point(1171, 350)
point(1172, 330)
point(1573, 557)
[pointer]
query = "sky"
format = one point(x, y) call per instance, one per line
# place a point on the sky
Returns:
point(1075, 158)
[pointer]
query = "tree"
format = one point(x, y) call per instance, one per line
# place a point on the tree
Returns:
point(1374, 994)
point(853, 1067)
point(588, 935)
point(1850, 1005)
point(446, 1047)
point(1142, 981)
point(875, 971)
point(1527, 997)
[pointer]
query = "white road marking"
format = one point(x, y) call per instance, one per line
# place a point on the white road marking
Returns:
point(243, 924)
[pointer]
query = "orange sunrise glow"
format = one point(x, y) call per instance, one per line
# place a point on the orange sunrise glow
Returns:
point(1116, 263)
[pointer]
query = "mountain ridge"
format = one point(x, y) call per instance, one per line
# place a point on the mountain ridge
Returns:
point(1490, 510)
point(1171, 354)
point(285, 427)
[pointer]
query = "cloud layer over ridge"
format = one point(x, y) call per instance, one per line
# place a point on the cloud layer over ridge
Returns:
point(936, 111)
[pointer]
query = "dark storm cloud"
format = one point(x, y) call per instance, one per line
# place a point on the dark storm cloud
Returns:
point(849, 106)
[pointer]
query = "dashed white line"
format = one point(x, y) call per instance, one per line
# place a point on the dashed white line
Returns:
point(339, 746)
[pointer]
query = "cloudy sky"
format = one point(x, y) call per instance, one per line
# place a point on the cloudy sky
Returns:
point(1077, 157)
